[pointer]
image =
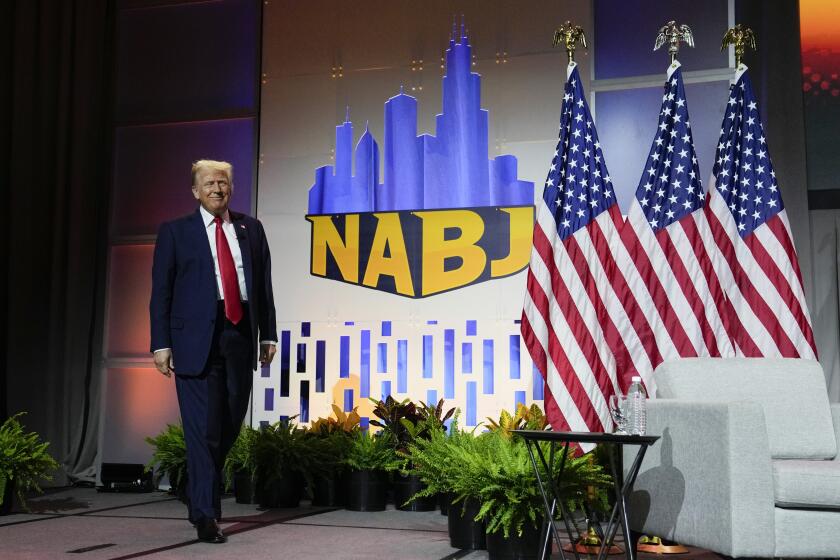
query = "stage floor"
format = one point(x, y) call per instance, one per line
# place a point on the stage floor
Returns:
point(96, 526)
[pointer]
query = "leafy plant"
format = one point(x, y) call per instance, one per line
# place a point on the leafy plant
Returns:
point(405, 422)
point(434, 416)
point(434, 460)
point(369, 452)
point(242, 456)
point(495, 469)
point(526, 418)
point(392, 416)
point(343, 422)
point(281, 449)
point(170, 455)
point(24, 459)
point(502, 478)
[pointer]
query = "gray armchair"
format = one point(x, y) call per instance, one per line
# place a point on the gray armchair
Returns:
point(748, 462)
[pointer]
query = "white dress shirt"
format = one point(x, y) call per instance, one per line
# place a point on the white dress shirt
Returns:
point(230, 233)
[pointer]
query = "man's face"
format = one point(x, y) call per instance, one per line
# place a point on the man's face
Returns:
point(213, 189)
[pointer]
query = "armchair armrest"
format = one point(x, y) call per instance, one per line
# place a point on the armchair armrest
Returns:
point(835, 421)
point(708, 481)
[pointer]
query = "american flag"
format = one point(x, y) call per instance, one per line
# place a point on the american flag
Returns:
point(756, 260)
point(670, 265)
point(575, 321)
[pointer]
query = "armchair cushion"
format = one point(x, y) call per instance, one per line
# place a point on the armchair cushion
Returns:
point(792, 393)
point(806, 484)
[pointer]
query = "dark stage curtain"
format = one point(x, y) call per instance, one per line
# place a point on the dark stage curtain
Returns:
point(55, 136)
point(776, 72)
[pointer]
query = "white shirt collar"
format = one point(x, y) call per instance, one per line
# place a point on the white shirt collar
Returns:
point(210, 218)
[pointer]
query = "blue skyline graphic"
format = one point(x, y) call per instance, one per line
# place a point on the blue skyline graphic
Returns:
point(448, 170)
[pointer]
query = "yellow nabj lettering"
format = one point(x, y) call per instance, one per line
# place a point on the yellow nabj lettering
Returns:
point(436, 249)
point(389, 234)
point(520, 235)
point(325, 237)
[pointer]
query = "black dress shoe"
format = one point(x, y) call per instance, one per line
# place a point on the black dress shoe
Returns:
point(208, 531)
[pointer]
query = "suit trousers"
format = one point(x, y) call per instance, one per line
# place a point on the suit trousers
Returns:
point(213, 406)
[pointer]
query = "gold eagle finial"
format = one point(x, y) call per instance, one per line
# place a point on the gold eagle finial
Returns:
point(673, 34)
point(741, 37)
point(569, 36)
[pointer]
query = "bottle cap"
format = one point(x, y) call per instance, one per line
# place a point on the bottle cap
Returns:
point(636, 378)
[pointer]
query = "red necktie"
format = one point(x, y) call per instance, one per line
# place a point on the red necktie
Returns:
point(227, 270)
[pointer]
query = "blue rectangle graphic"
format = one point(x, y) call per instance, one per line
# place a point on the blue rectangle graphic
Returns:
point(304, 402)
point(386, 390)
point(344, 357)
point(265, 371)
point(488, 385)
point(471, 327)
point(301, 357)
point(285, 351)
point(386, 328)
point(285, 361)
point(539, 384)
point(269, 398)
point(320, 365)
point(382, 357)
point(305, 329)
point(518, 398)
point(364, 423)
point(428, 340)
point(431, 397)
point(364, 369)
point(471, 403)
point(466, 357)
point(348, 400)
point(402, 366)
point(514, 356)
point(449, 364)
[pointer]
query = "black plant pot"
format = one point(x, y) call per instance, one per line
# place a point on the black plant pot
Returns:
point(464, 531)
point(366, 490)
point(283, 492)
point(329, 491)
point(444, 499)
point(8, 497)
point(243, 488)
point(515, 547)
point(407, 486)
point(179, 490)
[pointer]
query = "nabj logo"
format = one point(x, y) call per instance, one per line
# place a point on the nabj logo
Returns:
point(444, 217)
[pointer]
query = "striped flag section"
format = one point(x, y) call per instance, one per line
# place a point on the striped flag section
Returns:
point(670, 265)
point(576, 321)
point(756, 258)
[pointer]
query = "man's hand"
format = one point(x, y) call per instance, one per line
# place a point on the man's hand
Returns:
point(163, 362)
point(267, 352)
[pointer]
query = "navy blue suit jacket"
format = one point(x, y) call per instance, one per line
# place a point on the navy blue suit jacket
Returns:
point(184, 293)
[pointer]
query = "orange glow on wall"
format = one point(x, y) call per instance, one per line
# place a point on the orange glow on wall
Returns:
point(820, 37)
point(818, 20)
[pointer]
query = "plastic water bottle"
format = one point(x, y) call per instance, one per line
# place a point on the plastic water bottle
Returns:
point(637, 405)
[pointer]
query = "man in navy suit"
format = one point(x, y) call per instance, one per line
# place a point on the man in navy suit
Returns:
point(211, 298)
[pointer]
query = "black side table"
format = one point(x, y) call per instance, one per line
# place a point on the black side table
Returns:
point(550, 488)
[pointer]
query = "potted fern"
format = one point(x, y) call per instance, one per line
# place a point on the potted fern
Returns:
point(437, 462)
point(502, 477)
point(370, 459)
point(332, 438)
point(240, 466)
point(170, 457)
point(24, 463)
point(283, 461)
point(406, 422)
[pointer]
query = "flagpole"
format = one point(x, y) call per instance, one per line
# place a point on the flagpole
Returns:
point(671, 34)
